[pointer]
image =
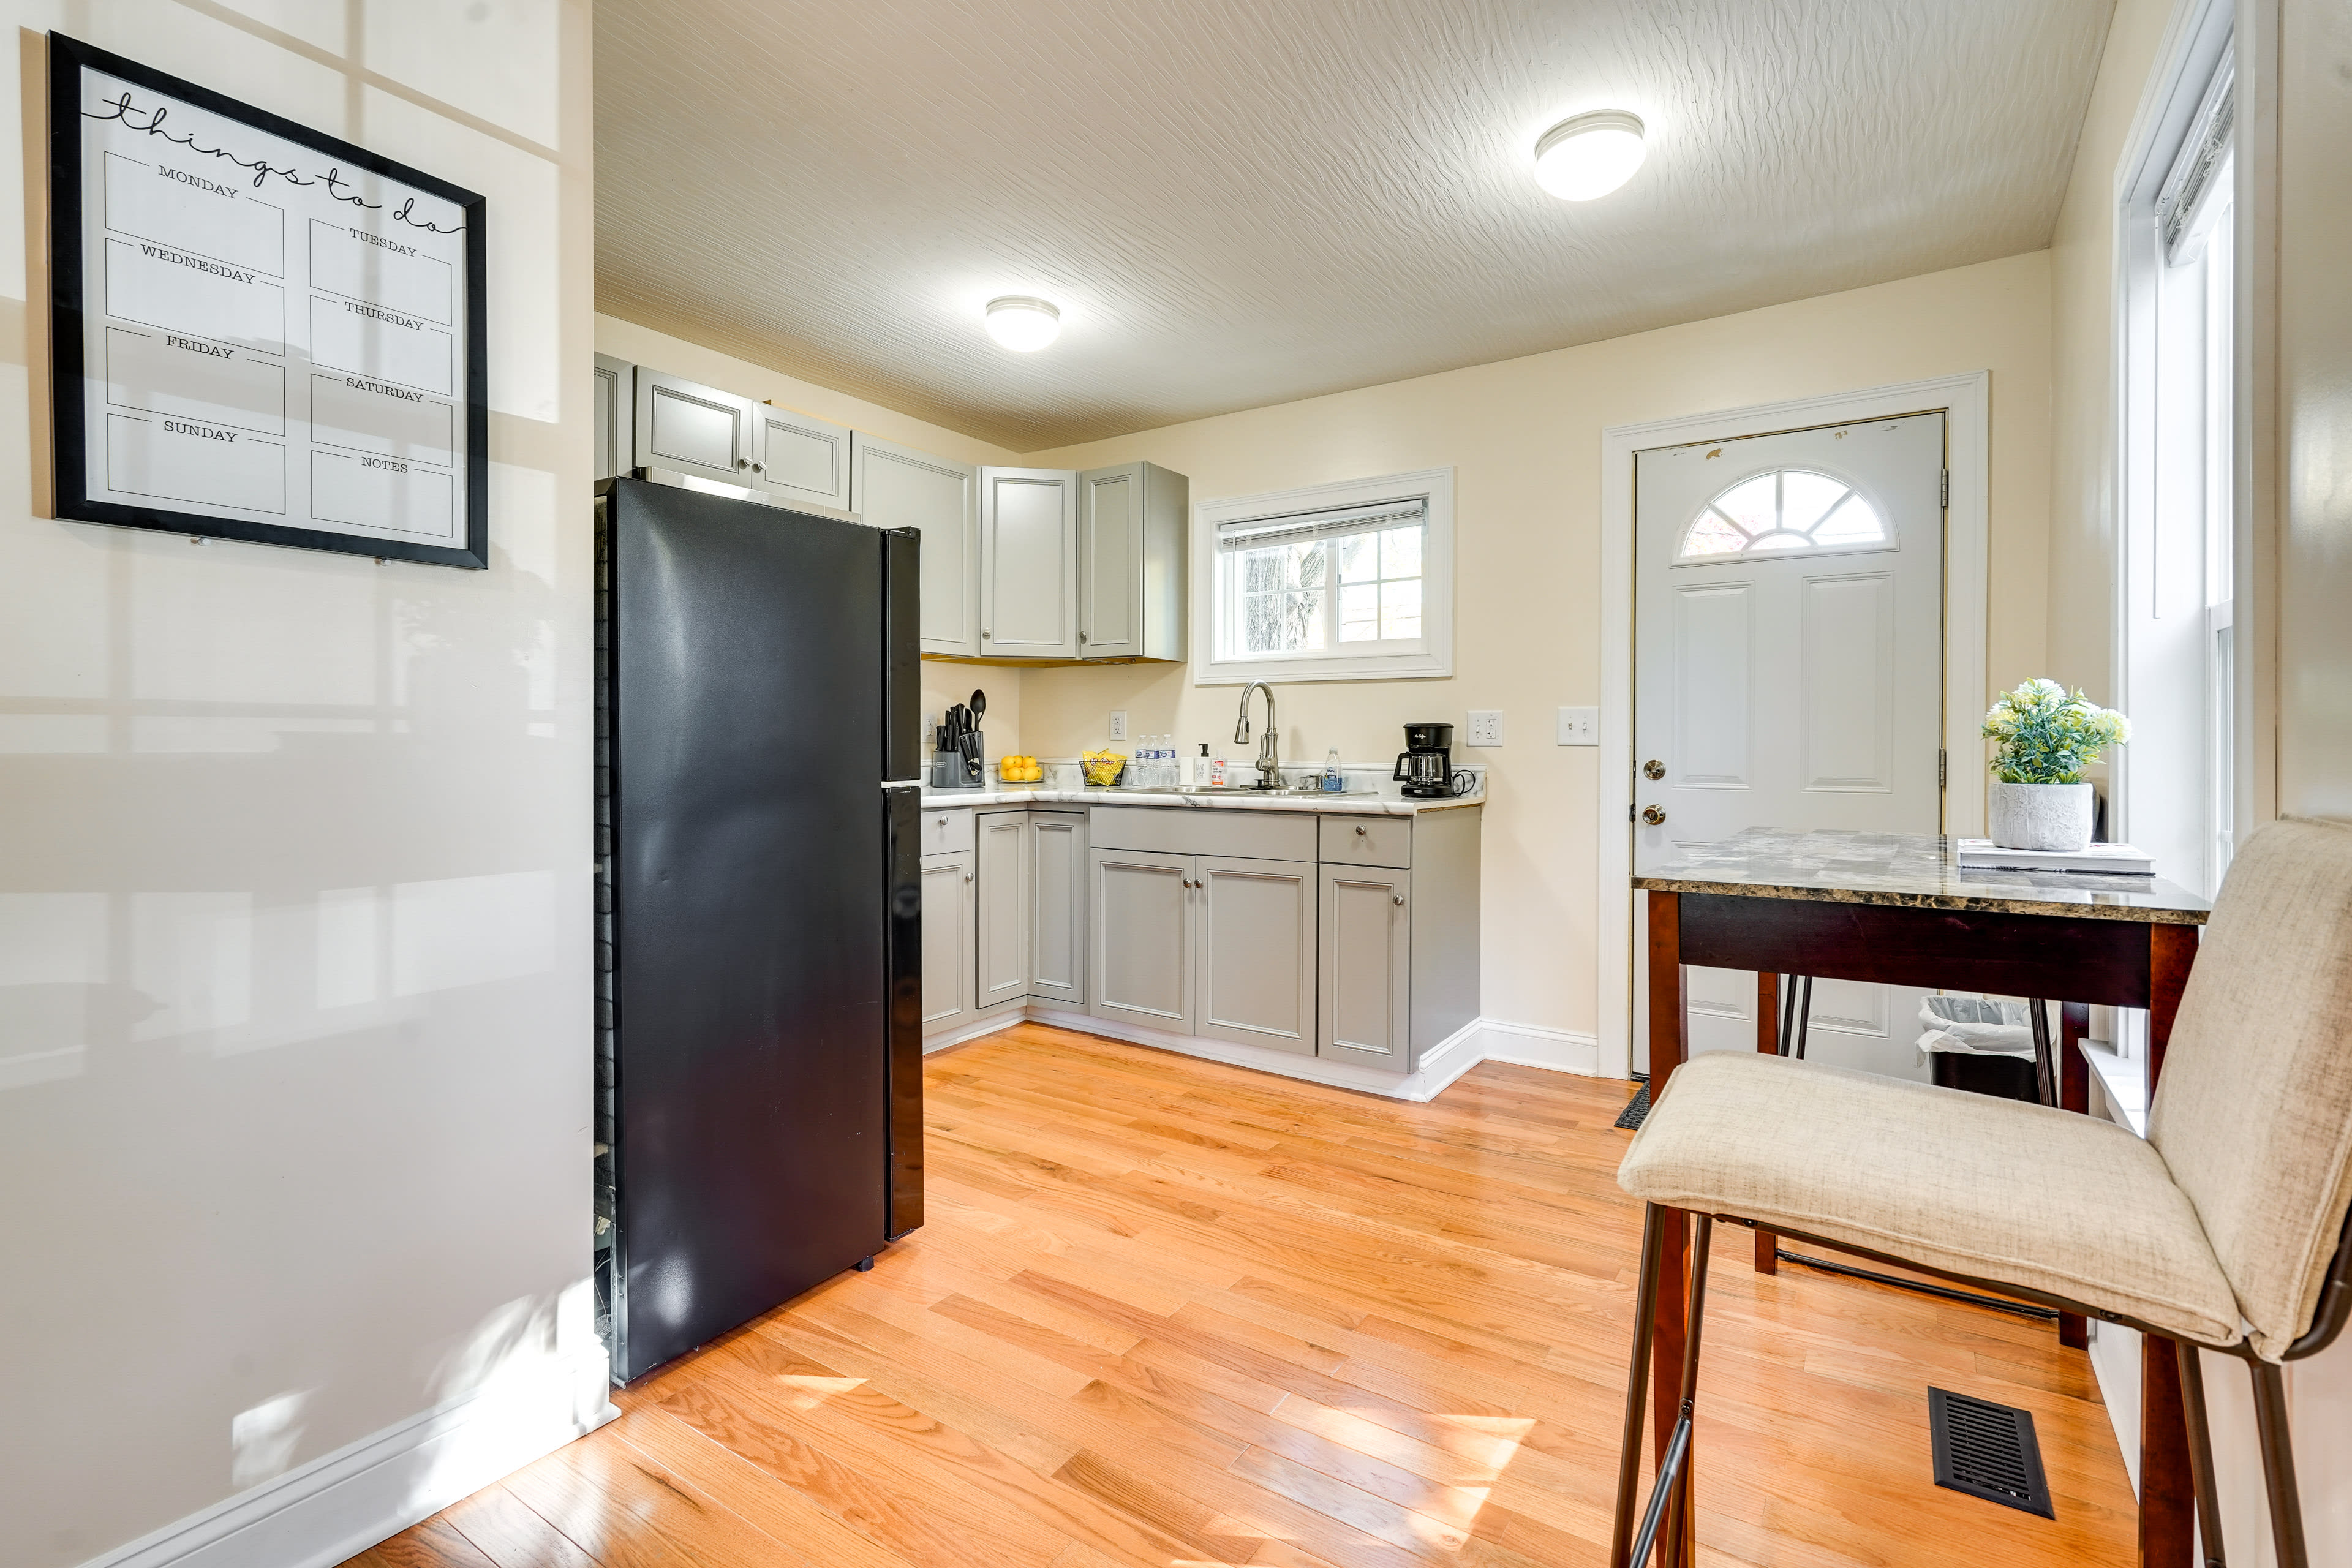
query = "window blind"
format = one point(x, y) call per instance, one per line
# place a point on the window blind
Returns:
point(2198, 171)
point(1300, 528)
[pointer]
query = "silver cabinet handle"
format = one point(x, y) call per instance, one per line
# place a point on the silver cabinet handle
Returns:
point(1361, 833)
point(967, 877)
point(1400, 899)
point(743, 462)
point(759, 467)
point(1082, 636)
point(985, 634)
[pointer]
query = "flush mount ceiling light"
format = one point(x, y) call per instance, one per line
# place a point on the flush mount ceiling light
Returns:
point(1588, 155)
point(1022, 324)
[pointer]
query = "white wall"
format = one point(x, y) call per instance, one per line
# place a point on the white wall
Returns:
point(294, 851)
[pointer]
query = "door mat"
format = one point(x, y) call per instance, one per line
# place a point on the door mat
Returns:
point(1630, 1117)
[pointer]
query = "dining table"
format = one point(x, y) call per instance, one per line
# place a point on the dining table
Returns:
point(1901, 910)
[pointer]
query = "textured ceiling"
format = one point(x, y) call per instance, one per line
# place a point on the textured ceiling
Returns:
point(1243, 202)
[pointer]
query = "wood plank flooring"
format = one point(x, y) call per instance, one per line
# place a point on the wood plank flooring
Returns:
point(1168, 1314)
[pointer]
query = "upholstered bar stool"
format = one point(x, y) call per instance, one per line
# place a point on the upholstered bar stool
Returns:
point(2224, 1229)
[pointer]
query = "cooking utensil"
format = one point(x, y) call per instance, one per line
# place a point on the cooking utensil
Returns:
point(979, 708)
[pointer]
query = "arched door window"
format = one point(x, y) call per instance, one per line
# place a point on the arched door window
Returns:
point(1786, 510)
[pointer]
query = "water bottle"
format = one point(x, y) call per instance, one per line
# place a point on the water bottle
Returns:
point(1334, 782)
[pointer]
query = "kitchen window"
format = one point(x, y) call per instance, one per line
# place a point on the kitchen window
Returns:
point(1337, 583)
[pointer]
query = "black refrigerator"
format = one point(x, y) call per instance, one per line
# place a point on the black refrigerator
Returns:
point(759, 1048)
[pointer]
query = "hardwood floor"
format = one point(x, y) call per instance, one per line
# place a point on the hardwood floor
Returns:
point(1173, 1314)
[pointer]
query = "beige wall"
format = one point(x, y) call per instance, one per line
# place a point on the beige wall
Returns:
point(294, 899)
point(1525, 437)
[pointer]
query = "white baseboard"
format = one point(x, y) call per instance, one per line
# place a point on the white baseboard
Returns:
point(1534, 1046)
point(341, 1504)
point(1480, 1040)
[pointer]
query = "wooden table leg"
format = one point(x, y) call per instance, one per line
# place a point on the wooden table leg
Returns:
point(1669, 1049)
point(2166, 1493)
point(1768, 1044)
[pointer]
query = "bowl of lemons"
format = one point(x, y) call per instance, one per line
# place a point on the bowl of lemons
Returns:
point(1020, 770)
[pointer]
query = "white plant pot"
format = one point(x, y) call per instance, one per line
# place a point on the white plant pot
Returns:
point(2040, 816)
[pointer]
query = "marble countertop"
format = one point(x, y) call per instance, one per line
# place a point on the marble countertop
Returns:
point(1916, 870)
point(1328, 805)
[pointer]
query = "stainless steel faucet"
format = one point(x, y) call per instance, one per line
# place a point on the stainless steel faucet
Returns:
point(1269, 770)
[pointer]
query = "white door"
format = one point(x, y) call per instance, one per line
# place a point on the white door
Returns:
point(1788, 596)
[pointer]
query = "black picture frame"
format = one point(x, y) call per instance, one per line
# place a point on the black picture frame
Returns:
point(68, 59)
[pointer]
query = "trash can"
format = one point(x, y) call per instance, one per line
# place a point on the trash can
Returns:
point(1979, 1045)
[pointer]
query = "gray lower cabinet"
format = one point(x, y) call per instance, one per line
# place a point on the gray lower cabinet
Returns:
point(1256, 952)
point(1365, 966)
point(1029, 562)
point(948, 938)
point(1139, 912)
point(1057, 903)
point(897, 486)
point(1003, 947)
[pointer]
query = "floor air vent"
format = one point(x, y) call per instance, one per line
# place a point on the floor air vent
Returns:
point(1988, 1450)
point(1639, 1107)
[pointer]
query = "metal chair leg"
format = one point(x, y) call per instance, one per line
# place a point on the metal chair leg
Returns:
point(1672, 1496)
point(1645, 1313)
point(1793, 1035)
point(2278, 1465)
point(2200, 1453)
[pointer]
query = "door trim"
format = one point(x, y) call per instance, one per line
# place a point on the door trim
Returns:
point(1966, 401)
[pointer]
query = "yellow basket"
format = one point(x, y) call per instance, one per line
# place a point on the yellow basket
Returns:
point(1102, 767)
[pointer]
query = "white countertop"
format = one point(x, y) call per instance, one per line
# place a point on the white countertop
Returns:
point(1329, 804)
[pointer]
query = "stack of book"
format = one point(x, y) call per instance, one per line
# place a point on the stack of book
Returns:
point(1984, 855)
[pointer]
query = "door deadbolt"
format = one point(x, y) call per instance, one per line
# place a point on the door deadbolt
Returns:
point(1653, 769)
point(1652, 815)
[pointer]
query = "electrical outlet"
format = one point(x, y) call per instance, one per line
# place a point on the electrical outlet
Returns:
point(1485, 727)
point(1118, 724)
point(1579, 726)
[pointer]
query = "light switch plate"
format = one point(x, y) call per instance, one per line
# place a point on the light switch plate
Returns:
point(1485, 727)
point(1118, 724)
point(1579, 726)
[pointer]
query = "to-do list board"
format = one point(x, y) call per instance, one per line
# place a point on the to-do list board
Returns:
point(261, 332)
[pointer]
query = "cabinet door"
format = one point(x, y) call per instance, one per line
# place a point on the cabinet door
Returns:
point(693, 429)
point(947, 939)
point(1110, 562)
point(617, 411)
point(1057, 923)
point(897, 486)
point(1365, 968)
point(1139, 924)
point(1003, 852)
point(1029, 562)
point(798, 460)
point(1256, 946)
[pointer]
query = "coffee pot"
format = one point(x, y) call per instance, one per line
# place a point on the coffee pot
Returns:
point(1426, 767)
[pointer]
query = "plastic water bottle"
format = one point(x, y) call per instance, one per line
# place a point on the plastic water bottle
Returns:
point(1334, 782)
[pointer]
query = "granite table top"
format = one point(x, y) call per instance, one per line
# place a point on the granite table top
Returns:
point(1914, 871)
point(1322, 804)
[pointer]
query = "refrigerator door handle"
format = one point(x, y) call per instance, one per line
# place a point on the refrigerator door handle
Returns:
point(904, 784)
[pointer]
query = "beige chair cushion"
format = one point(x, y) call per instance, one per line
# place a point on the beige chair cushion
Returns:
point(2253, 1114)
point(1994, 1189)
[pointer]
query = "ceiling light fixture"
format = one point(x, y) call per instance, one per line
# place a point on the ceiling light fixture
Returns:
point(1589, 155)
point(1022, 324)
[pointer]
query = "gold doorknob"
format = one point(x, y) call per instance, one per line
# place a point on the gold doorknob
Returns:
point(1652, 815)
point(1653, 769)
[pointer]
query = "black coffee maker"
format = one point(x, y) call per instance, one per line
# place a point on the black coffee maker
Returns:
point(1425, 766)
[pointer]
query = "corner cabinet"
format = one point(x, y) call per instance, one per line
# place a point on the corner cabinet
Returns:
point(899, 486)
point(1004, 917)
point(1029, 562)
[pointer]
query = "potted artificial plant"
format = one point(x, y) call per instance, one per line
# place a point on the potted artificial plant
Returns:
point(2037, 799)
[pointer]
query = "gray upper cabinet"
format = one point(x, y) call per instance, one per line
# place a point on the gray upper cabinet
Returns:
point(693, 429)
point(897, 486)
point(1028, 563)
point(1131, 562)
point(797, 460)
point(616, 411)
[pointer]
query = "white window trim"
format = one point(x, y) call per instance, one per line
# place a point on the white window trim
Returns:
point(1436, 489)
